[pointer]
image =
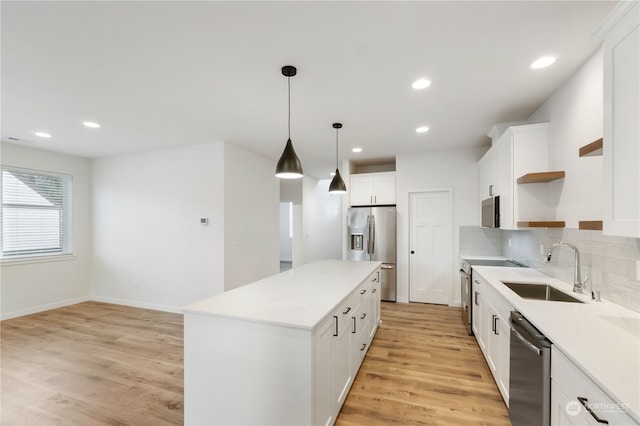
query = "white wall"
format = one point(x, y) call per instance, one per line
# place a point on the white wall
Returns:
point(575, 114)
point(35, 287)
point(321, 221)
point(149, 247)
point(456, 169)
point(286, 240)
point(251, 217)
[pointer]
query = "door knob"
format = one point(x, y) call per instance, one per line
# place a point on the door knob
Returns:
point(412, 252)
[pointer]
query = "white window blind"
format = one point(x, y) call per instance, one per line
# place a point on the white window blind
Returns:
point(36, 213)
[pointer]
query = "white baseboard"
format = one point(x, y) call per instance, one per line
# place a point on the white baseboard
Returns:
point(137, 304)
point(42, 308)
point(402, 300)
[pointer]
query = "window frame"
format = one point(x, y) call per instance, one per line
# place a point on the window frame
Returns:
point(66, 250)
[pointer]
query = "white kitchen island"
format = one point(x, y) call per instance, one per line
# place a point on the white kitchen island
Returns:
point(283, 350)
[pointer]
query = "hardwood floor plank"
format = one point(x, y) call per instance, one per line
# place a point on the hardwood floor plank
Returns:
point(423, 369)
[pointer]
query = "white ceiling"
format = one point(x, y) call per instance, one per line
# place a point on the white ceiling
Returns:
point(160, 74)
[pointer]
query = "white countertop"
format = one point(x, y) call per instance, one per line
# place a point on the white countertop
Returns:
point(602, 338)
point(300, 297)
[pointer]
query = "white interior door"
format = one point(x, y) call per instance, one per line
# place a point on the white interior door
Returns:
point(430, 245)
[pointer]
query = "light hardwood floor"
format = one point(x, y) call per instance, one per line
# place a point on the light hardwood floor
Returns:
point(423, 369)
point(92, 364)
point(101, 364)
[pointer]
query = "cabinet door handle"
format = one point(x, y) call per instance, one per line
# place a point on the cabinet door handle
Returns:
point(335, 319)
point(363, 291)
point(495, 324)
point(363, 316)
point(347, 311)
point(374, 290)
point(476, 281)
point(584, 401)
point(476, 298)
point(354, 325)
point(364, 345)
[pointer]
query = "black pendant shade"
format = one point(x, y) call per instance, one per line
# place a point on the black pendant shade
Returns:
point(289, 166)
point(337, 185)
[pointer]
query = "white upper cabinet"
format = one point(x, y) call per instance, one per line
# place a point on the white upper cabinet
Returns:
point(519, 151)
point(373, 189)
point(621, 141)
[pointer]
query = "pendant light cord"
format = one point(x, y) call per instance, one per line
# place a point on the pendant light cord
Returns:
point(289, 116)
point(336, 149)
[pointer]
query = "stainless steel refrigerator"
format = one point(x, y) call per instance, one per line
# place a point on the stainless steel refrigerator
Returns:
point(372, 236)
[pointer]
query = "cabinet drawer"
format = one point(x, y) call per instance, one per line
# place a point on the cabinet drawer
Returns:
point(582, 392)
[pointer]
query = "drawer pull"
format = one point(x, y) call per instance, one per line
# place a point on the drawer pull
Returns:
point(584, 401)
point(347, 311)
point(364, 345)
point(363, 291)
point(374, 290)
point(354, 325)
point(363, 315)
point(476, 281)
point(335, 318)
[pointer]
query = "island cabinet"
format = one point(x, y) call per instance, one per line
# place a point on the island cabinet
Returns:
point(282, 351)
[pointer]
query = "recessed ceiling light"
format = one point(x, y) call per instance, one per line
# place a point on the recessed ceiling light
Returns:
point(543, 62)
point(356, 150)
point(91, 124)
point(423, 83)
point(42, 134)
point(422, 129)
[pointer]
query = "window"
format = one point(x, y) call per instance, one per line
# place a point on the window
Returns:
point(36, 213)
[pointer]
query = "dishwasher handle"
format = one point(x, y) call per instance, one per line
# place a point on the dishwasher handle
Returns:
point(526, 343)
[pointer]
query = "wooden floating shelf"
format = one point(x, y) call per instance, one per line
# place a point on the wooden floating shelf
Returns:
point(546, 224)
point(541, 177)
point(591, 150)
point(595, 225)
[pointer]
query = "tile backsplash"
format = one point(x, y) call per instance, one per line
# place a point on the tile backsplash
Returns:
point(609, 262)
point(480, 241)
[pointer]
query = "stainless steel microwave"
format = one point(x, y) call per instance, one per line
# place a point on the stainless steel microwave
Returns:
point(491, 212)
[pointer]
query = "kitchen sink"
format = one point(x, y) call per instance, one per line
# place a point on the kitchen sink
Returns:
point(540, 291)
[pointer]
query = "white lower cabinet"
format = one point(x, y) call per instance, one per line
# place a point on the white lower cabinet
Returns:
point(342, 341)
point(492, 331)
point(341, 365)
point(323, 392)
point(576, 400)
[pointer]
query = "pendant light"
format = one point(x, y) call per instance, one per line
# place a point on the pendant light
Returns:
point(289, 166)
point(337, 185)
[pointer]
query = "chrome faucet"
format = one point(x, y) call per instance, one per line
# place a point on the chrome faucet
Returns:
point(578, 283)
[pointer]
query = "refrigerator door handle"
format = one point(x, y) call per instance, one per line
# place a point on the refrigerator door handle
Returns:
point(373, 234)
point(368, 234)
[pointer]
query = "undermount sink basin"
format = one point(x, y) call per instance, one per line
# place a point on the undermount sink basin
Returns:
point(540, 292)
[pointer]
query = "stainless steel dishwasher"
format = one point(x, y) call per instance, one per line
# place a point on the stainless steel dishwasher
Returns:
point(530, 374)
